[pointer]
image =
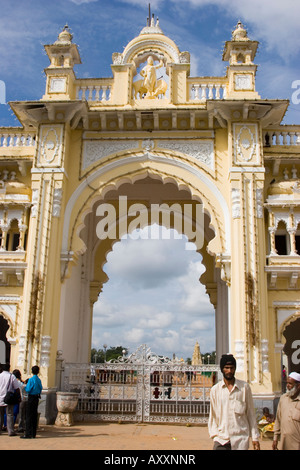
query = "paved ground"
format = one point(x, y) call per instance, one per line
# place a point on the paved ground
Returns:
point(116, 437)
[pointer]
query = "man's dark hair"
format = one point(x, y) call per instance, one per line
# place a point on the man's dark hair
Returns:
point(35, 370)
point(17, 374)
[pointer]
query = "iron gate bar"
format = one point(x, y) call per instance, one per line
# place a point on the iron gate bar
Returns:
point(142, 387)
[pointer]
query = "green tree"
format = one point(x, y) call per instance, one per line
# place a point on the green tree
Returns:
point(102, 355)
point(209, 357)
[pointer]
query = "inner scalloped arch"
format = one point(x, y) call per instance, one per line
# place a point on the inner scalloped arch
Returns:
point(132, 188)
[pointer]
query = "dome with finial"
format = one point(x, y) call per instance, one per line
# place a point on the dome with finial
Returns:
point(151, 41)
point(65, 37)
point(240, 33)
point(152, 27)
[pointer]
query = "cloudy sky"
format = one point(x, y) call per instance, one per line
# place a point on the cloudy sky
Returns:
point(153, 295)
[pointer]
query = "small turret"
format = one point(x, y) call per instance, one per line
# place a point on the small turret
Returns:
point(63, 55)
point(240, 53)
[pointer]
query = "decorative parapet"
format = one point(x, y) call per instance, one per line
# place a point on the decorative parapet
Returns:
point(10, 137)
point(207, 88)
point(17, 142)
point(97, 91)
point(282, 135)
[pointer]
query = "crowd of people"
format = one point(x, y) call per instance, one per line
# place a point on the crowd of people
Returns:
point(232, 420)
point(19, 412)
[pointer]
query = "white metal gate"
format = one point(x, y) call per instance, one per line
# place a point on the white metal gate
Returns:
point(143, 387)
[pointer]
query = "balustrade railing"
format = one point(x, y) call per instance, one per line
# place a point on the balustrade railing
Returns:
point(16, 138)
point(285, 135)
point(202, 89)
point(98, 91)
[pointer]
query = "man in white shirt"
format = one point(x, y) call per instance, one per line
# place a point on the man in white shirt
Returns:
point(287, 423)
point(232, 419)
point(7, 380)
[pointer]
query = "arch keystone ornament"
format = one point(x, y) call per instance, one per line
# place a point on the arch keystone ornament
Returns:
point(96, 158)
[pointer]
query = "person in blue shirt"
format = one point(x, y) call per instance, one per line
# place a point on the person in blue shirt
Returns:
point(33, 389)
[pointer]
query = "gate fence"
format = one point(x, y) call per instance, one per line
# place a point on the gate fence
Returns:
point(142, 387)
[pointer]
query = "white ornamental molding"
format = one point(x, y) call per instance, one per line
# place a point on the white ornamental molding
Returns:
point(45, 351)
point(35, 198)
point(22, 350)
point(10, 310)
point(259, 203)
point(15, 214)
point(239, 355)
point(95, 150)
point(246, 144)
point(265, 355)
point(201, 150)
point(58, 85)
point(148, 45)
point(50, 148)
point(236, 203)
point(296, 219)
point(57, 198)
point(281, 216)
point(243, 82)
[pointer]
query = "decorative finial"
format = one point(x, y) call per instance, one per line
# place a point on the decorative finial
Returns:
point(152, 27)
point(65, 37)
point(240, 32)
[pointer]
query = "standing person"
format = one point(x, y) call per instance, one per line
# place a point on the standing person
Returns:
point(33, 389)
point(22, 404)
point(287, 423)
point(232, 419)
point(7, 381)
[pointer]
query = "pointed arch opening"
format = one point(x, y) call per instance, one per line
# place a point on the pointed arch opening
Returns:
point(154, 296)
point(89, 275)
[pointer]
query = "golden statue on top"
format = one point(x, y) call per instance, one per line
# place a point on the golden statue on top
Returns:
point(150, 80)
point(149, 87)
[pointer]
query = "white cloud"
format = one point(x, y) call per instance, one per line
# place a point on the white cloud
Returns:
point(168, 342)
point(144, 4)
point(194, 299)
point(147, 263)
point(80, 2)
point(273, 21)
point(155, 320)
point(136, 335)
point(168, 315)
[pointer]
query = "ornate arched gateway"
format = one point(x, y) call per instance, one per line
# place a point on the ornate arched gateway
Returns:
point(127, 194)
point(92, 152)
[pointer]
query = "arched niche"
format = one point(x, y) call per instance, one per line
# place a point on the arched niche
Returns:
point(4, 343)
